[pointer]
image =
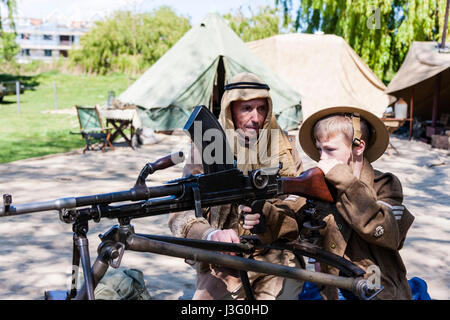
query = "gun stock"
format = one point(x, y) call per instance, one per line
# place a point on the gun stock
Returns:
point(310, 184)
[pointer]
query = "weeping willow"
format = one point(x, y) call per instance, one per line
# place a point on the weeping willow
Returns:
point(380, 31)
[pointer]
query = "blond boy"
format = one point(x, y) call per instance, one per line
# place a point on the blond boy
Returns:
point(368, 223)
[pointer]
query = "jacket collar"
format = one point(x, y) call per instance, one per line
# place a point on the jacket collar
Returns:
point(367, 174)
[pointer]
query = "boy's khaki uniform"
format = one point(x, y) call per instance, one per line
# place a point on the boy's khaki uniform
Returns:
point(367, 226)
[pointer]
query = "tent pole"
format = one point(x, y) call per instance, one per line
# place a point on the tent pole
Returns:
point(411, 109)
point(437, 89)
point(444, 32)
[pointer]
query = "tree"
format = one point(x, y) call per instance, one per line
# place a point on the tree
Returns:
point(8, 46)
point(11, 5)
point(264, 23)
point(380, 31)
point(129, 42)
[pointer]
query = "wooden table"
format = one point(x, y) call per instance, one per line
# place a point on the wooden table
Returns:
point(120, 120)
point(393, 124)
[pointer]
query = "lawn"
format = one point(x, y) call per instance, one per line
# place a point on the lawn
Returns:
point(32, 131)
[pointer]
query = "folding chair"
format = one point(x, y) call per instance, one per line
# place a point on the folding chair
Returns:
point(92, 129)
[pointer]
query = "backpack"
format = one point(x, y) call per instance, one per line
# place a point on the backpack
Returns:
point(122, 284)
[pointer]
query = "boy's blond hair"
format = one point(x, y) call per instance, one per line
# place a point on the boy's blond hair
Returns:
point(335, 124)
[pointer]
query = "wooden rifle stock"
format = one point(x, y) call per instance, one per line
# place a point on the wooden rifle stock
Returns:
point(310, 184)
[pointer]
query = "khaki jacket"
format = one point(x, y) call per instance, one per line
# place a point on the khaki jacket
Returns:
point(213, 282)
point(367, 226)
point(186, 225)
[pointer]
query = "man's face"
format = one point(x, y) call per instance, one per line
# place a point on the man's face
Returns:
point(335, 147)
point(249, 115)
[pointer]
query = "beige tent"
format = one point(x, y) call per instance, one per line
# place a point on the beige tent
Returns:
point(424, 72)
point(325, 70)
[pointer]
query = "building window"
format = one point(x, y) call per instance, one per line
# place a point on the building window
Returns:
point(48, 37)
point(25, 52)
point(65, 40)
point(48, 53)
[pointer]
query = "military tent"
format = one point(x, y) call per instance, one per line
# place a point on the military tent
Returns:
point(194, 71)
point(424, 79)
point(324, 69)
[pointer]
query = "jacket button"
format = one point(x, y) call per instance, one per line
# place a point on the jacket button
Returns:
point(333, 245)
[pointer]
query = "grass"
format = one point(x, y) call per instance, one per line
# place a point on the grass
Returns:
point(32, 132)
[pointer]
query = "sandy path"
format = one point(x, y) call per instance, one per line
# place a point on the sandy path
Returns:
point(36, 248)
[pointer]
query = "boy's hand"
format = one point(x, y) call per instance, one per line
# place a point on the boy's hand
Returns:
point(250, 219)
point(327, 164)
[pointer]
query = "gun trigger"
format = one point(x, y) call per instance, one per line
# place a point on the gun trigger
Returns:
point(197, 202)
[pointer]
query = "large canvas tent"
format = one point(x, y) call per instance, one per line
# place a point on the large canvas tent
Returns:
point(424, 80)
point(194, 71)
point(325, 70)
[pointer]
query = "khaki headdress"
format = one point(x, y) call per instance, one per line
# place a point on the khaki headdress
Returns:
point(246, 86)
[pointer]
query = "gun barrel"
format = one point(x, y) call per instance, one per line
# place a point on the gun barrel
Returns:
point(39, 206)
point(97, 199)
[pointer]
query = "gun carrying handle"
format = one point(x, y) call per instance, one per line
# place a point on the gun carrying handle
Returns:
point(168, 161)
point(160, 164)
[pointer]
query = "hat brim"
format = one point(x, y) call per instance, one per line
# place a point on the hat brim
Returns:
point(373, 151)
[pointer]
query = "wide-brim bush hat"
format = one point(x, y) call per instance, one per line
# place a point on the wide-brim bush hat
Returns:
point(375, 148)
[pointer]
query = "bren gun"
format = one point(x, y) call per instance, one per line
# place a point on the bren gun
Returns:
point(193, 192)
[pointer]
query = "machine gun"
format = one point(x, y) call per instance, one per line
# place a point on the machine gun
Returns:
point(193, 192)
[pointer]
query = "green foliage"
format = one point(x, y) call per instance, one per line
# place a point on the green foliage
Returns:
point(129, 42)
point(8, 47)
point(12, 7)
point(264, 23)
point(380, 31)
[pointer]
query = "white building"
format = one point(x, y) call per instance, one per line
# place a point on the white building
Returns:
point(49, 38)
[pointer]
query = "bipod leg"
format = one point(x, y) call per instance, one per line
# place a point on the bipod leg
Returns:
point(83, 247)
point(110, 252)
point(81, 243)
point(75, 267)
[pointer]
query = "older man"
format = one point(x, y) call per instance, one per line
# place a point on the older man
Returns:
point(247, 118)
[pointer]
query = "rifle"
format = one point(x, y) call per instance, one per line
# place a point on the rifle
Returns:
point(193, 192)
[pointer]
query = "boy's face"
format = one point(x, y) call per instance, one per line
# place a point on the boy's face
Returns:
point(335, 147)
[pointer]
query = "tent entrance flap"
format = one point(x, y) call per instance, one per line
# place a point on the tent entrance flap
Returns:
point(218, 88)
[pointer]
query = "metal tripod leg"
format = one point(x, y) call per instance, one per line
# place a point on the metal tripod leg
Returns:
point(83, 248)
point(81, 252)
point(75, 267)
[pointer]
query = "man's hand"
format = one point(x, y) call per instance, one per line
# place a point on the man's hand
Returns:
point(327, 164)
point(226, 235)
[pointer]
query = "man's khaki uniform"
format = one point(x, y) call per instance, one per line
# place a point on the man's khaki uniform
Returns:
point(223, 283)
